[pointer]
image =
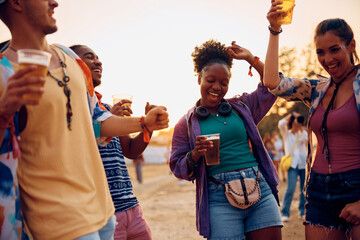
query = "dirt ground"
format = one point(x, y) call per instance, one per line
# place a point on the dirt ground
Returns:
point(169, 205)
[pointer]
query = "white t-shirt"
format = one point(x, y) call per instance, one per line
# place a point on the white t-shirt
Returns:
point(300, 152)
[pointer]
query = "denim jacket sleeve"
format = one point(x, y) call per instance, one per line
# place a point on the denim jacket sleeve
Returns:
point(298, 89)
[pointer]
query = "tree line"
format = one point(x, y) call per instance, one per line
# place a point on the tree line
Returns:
point(292, 64)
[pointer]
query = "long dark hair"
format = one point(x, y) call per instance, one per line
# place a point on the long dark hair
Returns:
point(341, 29)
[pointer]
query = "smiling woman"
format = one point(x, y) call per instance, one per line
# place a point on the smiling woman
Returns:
point(212, 65)
point(235, 121)
point(334, 118)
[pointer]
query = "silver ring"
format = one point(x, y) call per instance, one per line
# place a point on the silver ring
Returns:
point(121, 103)
point(125, 107)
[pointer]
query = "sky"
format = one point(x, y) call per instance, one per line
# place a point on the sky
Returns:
point(145, 45)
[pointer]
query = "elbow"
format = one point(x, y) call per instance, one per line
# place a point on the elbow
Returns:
point(271, 80)
point(266, 82)
point(271, 87)
point(269, 84)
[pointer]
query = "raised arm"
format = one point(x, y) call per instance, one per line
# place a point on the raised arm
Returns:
point(241, 53)
point(271, 70)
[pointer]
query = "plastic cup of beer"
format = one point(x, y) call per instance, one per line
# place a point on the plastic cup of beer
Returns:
point(212, 155)
point(41, 59)
point(119, 97)
point(287, 8)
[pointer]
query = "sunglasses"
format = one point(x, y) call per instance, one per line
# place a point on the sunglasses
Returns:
point(300, 119)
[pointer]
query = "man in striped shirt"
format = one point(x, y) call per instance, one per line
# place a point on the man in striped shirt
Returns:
point(125, 202)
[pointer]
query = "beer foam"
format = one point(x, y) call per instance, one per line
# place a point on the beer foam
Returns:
point(212, 136)
point(34, 61)
point(32, 56)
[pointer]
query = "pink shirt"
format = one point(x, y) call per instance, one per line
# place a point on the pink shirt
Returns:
point(344, 138)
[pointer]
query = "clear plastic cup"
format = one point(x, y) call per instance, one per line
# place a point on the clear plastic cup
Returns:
point(288, 8)
point(212, 155)
point(118, 97)
point(41, 59)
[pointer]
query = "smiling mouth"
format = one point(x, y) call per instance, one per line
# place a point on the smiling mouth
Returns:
point(97, 70)
point(332, 66)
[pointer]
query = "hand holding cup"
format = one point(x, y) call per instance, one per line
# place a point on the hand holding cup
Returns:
point(212, 155)
point(40, 59)
point(202, 145)
point(280, 13)
point(122, 108)
point(122, 105)
point(274, 14)
point(17, 85)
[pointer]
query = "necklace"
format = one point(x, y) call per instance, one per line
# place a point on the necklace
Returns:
point(63, 84)
point(67, 92)
point(323, 129)
point(216, 117)
point(10, 47)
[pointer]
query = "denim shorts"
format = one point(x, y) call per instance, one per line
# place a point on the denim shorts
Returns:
point(229, 222)
point(327, 195)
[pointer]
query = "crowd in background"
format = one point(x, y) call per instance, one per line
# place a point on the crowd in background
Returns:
point(62, 155)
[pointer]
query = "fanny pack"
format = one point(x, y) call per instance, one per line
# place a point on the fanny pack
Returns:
point(242, 193)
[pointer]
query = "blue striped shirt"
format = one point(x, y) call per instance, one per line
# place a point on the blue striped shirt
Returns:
point(117, 175)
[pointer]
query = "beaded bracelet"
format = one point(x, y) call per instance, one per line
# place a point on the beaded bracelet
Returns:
point(188, 155)
point(274, 32)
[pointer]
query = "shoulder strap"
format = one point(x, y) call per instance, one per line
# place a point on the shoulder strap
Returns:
point(295, 143)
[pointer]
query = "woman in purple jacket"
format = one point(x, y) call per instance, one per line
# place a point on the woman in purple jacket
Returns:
point(242, 152)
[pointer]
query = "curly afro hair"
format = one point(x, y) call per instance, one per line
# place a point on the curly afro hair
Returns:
point(210, 52)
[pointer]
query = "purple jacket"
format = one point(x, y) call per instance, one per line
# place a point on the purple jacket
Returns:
point(252, 108)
